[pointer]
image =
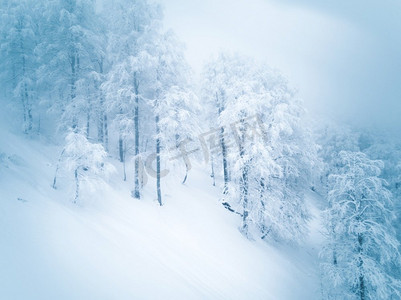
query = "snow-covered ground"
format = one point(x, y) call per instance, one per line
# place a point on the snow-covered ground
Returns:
point(111, 246)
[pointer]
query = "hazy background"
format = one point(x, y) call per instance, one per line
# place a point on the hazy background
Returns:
point(344, 56)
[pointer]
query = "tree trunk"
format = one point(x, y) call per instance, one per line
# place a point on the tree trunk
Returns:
point(244, 196)
point(24, 94)
point(27, 105)
point(225, 164)
point(136, 146)
point(100, 125)
point(57, 168)
point(73, 62)
point(361, 287)
point(30, 118)
point(223, 147)
point(102, 134)
point(186, 173)
point(262, 190)
point(334, 247)
point(76, 185)
point(106, 133)
point(14, 79)
point(121, 148)
point(124, 153)
point(159, 196)
point(24, 111)
point(87, 122)
point(212, 174)
point(244, 183)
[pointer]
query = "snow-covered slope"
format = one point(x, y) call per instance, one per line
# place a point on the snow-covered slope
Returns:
point(111, 246)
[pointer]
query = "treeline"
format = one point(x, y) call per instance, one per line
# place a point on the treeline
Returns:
point(113, 77)
point(114, 83)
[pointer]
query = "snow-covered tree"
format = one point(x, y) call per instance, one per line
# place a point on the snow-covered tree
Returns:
point(361, 252)
point(87, 161)
point(271, 154)
point(384, 148)
point(388, 150)
point(333, 138)
point(216, 80)
point(18, 62)
point(176, 107)
point(179, 110)
point(168, 77)
point(133, 27)
point(69, 50)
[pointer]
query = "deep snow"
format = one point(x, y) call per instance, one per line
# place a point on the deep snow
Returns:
point(111, 246)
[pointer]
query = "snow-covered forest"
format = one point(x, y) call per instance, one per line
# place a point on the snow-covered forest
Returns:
point(127, 174)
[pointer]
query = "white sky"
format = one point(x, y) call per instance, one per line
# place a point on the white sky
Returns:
point(344, 56)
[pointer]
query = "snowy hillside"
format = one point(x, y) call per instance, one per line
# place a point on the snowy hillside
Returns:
point(117, 247)
point(129, 169)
